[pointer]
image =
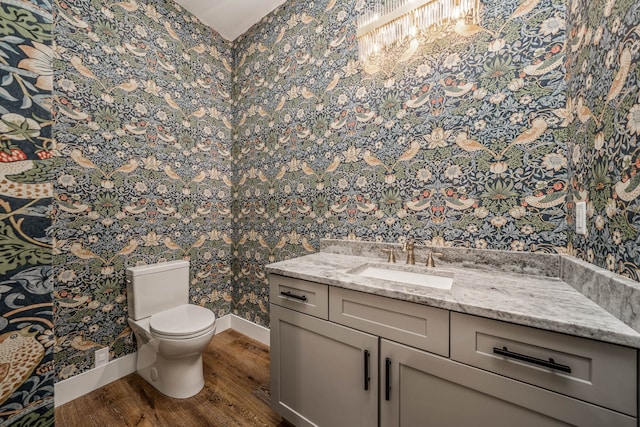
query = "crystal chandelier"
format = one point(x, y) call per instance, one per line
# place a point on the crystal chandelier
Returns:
point(385, 22)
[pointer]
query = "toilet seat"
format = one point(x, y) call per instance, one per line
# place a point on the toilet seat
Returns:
point(182, 322)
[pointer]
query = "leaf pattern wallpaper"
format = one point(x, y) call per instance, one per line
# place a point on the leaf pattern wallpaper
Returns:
point(457, 138)
point(172, 143)
point(604, 82)
point(143, 132)
point(26, 318)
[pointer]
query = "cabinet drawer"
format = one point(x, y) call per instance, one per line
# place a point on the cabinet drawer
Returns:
point(299, 295)
point(412, 324)
point(600, 373)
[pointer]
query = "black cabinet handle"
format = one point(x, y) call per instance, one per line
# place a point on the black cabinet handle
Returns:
point(294, 296)
point(366, 369)
point(387, 379)
point(533, 360)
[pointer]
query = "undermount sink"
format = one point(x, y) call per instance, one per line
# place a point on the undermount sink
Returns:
point(398, 274)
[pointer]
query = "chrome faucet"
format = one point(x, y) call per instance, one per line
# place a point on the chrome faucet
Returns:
point(408, 246)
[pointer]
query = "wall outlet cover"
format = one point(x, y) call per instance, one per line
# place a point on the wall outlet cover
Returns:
point(101, 357)
point(581, 218)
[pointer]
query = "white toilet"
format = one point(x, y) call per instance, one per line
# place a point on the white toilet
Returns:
point(171, 333)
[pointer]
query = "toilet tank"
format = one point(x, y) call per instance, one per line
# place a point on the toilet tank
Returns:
point(157, 287)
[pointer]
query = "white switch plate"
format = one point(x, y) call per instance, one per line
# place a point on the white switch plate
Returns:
point(581, 218)
point(101, 357)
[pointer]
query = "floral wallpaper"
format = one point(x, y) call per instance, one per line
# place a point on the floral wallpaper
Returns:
point(604, 81)
point(455, 138)
point(143, 129)
point(26, 323)
point(172, 143)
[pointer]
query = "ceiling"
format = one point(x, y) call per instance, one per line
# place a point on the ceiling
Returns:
point(230, 18)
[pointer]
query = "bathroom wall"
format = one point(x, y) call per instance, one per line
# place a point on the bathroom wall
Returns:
point(26, 337)
point(603, 80)
point(143, 126)
point(458, 139)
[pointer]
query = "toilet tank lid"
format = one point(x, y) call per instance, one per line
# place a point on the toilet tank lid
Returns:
point(158, 268)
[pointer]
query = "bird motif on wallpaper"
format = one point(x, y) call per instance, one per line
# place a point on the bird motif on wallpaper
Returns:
point(408, 155)
point(538, 127)
point(21, 190)
point(20, 353)
point(628, 189)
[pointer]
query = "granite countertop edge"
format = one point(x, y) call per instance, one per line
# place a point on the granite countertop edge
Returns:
point(509, 296)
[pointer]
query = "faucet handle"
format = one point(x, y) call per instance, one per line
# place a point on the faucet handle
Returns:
point(392, 255)
point(430, 255)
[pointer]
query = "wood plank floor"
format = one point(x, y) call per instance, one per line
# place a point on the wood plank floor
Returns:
point(236, 393)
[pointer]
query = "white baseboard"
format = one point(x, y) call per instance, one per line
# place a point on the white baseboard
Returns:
point(86, 382)
point(223, 323)
point(74, 387)
point(250, 329)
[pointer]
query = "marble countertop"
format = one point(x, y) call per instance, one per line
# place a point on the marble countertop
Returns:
point(524, 295)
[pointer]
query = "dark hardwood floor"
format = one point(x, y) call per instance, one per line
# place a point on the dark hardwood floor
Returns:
point(236, 393)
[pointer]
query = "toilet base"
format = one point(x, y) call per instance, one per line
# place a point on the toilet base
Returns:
point(179, 377)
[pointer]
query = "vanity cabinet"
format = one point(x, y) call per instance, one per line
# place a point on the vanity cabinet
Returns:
point(596, 372)
point(367, 360)
point(423, 389)
point(417, 325)
point(322, 374)
point(300, 295)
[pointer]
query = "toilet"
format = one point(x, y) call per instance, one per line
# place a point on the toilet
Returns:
point(171, 333)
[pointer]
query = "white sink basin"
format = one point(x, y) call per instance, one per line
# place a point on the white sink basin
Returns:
point(431, 279)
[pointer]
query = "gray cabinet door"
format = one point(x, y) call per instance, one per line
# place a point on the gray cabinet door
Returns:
point(318, 371)
point(428, 390)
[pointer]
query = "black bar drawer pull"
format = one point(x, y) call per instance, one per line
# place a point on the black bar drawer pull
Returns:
point(533, 360)
point(387, 379)
point(366, 370)
point(294, 296)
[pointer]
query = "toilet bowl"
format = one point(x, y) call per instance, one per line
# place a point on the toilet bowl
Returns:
point(171, 334)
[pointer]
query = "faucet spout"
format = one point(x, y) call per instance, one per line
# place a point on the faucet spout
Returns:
point(408, 247)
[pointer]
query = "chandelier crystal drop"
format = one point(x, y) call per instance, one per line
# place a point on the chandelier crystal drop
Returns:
point(385, 22)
